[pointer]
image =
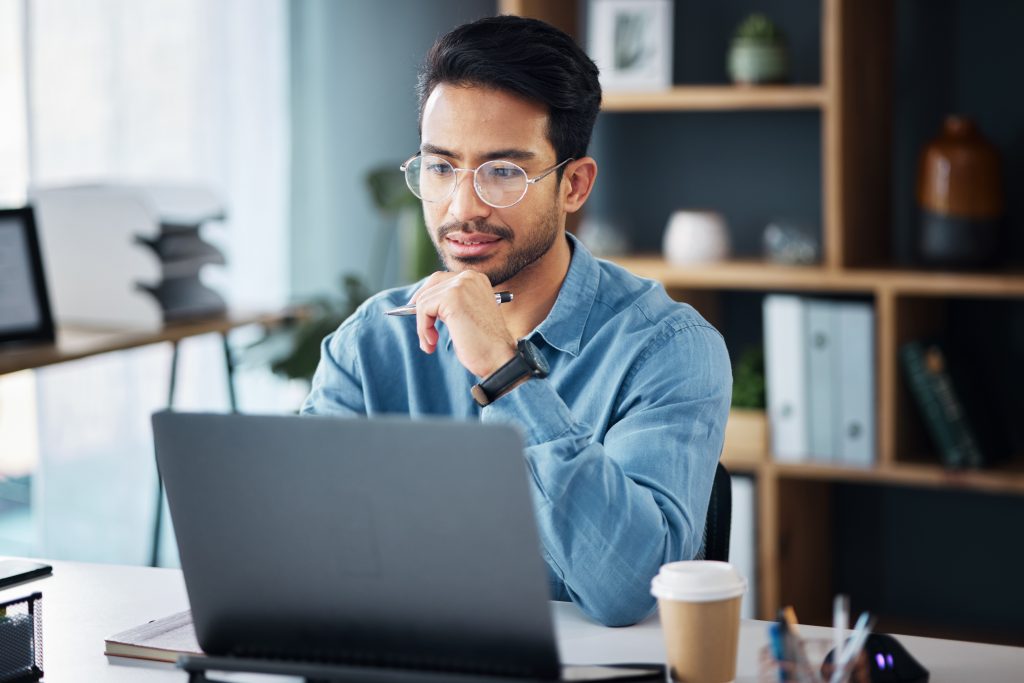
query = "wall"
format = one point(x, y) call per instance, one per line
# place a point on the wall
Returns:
point(353, 109)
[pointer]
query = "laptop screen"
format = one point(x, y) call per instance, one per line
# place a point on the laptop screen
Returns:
point(392, 542)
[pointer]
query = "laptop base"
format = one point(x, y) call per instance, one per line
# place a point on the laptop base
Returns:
point(198, 669)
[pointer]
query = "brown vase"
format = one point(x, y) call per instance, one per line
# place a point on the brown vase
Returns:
point(960, 194)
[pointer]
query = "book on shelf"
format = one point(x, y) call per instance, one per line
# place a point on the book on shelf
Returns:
point(160, 640)
point(926, 366)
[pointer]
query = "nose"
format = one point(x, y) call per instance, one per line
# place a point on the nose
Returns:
point(465, 204)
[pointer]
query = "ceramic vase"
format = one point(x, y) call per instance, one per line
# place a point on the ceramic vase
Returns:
point(960, 197)
point(695, 237)
point(754, 62)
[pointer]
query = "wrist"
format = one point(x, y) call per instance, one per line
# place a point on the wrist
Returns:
point(501, 356)
point(525, 362)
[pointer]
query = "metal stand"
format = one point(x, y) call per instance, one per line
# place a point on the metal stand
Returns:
point(229, 364)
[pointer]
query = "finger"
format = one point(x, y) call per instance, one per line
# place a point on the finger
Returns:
point(432, 281)
point(426, 322)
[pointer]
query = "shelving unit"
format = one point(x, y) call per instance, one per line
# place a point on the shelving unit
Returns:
point(856, 108)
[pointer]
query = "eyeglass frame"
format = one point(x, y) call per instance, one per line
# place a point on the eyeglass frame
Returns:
point(529, 181)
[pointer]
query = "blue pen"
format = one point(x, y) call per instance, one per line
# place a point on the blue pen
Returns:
point(776, 638)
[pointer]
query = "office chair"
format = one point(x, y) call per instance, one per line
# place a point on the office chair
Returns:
point(718, 523)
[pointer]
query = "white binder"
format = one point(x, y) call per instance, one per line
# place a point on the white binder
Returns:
point(856, 383)
point(785, 376)
point(822, 361)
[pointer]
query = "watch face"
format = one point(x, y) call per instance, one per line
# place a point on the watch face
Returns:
point(533, 356)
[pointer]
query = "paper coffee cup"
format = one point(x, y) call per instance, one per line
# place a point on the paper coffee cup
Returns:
point(699, 604)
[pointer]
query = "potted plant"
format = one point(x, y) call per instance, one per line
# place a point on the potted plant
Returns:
point(417, 256)
point(292, 350)
point(746, 433)
point(758, 53)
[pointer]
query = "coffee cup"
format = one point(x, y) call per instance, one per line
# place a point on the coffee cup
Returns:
point(699, 603)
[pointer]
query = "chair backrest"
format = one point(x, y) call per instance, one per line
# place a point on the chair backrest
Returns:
point(718, 523)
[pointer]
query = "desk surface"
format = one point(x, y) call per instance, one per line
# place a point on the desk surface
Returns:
point(81, 342)
point(85, 603)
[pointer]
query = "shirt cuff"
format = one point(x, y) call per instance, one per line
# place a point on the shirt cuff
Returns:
point(536, 408)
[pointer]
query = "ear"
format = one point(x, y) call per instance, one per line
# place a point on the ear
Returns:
point(577, 182)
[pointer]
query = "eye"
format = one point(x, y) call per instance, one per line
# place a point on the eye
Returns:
point(438, 168)
point(500, 172)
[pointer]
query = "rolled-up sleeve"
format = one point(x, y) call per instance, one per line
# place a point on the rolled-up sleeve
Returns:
point(611, 511)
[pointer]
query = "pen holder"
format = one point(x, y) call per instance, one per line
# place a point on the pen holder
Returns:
point(810, 666)
point(21, 639)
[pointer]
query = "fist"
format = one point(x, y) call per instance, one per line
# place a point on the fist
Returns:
point(465, 303)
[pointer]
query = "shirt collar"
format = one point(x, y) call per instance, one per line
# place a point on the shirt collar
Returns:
point(563, 328)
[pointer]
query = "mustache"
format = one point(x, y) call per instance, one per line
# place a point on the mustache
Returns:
point(480, 227)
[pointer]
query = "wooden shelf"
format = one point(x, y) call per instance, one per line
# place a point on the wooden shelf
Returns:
point(761, 275)
point(744, 274)
point(1007, 479)
point(717, 98)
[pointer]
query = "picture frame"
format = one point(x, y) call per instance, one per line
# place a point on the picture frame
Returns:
point(631, 42)
point(25, 314)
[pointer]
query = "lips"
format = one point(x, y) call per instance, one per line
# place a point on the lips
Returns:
point(471, 245)
point(472, 238)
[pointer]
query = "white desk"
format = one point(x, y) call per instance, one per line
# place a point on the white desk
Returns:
point(85, 603)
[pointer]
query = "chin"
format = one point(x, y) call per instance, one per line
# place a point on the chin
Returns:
point(457, 264)
point(479, 265)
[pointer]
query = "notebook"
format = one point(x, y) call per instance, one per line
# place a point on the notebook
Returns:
point(389, 543)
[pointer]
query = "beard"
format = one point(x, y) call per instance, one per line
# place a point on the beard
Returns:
point(524, 249)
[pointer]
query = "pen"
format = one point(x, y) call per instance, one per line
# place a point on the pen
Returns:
point(801, 664)
point(499, 297)
point(778, 648)
point(840, 621)
point(852, 649)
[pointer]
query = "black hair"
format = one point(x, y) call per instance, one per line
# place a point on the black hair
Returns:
point(526, 57)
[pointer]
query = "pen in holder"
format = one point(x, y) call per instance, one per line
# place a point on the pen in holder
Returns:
point(21, 639)
point(810, 666)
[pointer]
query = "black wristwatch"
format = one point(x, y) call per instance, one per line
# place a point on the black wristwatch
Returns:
point(526, 363)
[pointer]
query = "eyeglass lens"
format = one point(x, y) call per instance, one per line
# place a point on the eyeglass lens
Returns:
point(499, 183)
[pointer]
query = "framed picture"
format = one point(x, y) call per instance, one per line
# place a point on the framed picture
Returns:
point(631, 42)
point(24, 305)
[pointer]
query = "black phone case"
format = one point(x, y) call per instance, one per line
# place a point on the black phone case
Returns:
point(18, 571)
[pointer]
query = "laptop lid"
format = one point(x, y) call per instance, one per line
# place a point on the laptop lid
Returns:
point(395, 542)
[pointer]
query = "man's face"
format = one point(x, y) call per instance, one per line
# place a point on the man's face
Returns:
point(471, 125)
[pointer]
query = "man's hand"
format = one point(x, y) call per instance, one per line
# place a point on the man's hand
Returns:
point(465, 303)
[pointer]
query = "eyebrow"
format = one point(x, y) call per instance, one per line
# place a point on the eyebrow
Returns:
point(511, 153)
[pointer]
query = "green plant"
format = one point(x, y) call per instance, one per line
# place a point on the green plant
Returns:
point(292, 350)
point(748, 380)
point(758, 28)
point(387, 187)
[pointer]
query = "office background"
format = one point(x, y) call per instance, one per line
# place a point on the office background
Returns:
point(284, 107)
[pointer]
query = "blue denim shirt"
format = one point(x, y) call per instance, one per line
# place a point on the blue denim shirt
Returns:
point(622, 439)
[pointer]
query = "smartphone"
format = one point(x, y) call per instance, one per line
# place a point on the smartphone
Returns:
point(18, 571)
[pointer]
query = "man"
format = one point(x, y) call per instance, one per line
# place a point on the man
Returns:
point(621, 394)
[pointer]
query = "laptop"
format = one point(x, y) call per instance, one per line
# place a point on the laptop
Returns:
point(383, 543)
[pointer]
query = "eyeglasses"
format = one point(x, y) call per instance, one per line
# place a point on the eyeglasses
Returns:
point(498, 183)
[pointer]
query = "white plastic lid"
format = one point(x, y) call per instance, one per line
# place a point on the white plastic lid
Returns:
point(698, 581)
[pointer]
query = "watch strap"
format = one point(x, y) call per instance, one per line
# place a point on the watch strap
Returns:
point(504, 378)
